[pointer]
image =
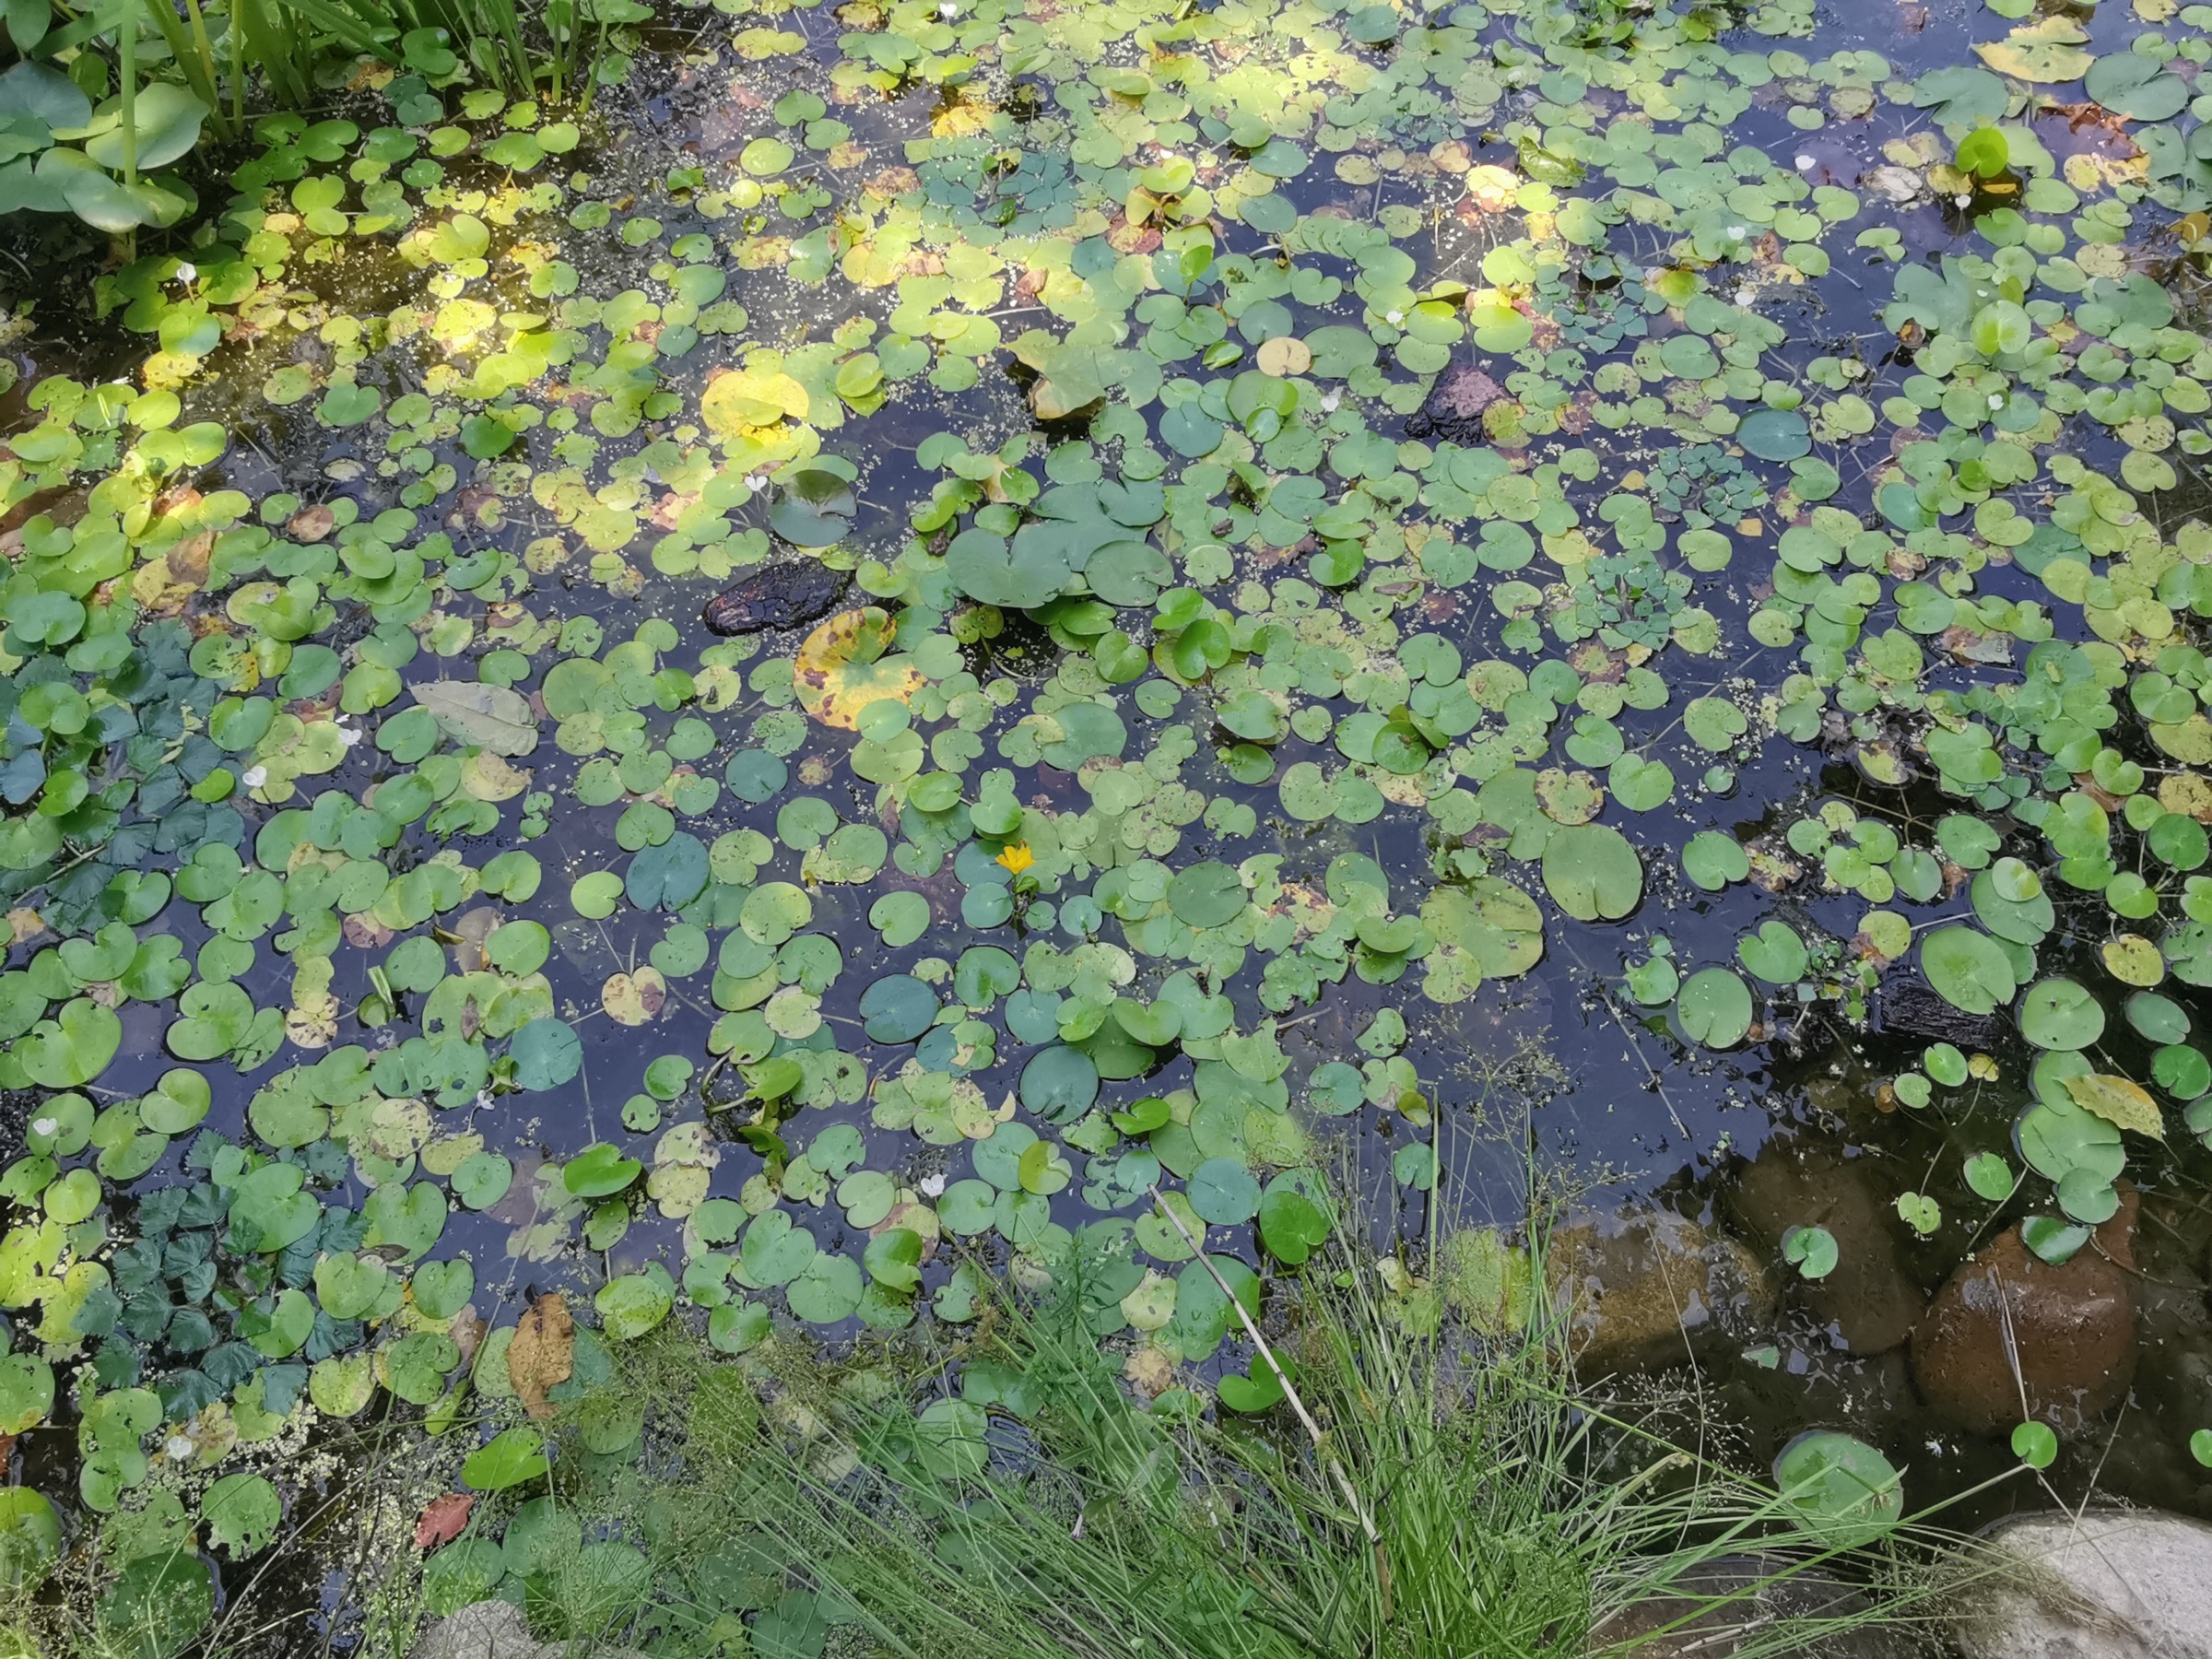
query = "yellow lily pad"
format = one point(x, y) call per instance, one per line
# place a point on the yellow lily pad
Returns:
point(746, 398)
point(632, 999)
point(2118, 1101)
point(2134, 960)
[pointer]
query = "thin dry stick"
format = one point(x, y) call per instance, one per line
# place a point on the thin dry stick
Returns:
point(1314, 1433)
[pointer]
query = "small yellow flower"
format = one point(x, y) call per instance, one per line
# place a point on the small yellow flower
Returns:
point(1018, 857)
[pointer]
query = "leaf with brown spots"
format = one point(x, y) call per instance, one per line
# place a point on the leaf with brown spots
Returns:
point(540, 1356)
point(841, 667)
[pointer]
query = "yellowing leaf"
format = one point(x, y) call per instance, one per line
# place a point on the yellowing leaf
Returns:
point(2124, 1104)
point(2048, 51)
point(541, 1354)
point(632, 999)
point(2189, 741)
point(749, 397)
point(841, 668)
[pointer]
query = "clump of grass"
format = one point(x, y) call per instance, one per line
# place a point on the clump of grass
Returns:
point(1440, 1497)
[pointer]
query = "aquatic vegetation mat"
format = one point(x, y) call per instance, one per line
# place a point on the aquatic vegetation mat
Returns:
point(1257, 524)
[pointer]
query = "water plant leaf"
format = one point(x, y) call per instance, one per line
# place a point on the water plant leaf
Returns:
point(510, 1458)
point(492, 717)
point(1841, 1491)
point(846, 664)
point(2118, 1101)
point(1968, 970)
point(1593, 873)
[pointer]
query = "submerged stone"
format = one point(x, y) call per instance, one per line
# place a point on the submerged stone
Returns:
point(777, 595)
point(1650, 1288)
point(1869, 1300)
point(2008, 1323)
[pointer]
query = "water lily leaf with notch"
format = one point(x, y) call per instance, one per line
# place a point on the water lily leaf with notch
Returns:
point(509, 1458)
point(814, 509)
point(843, 666)
point(1714, 1007)
point(167, 120)
point(1592, 872)
point(743, 398)
point(241, 1513)
point(897, 1009)
point(2050, 50)
point(1968, 970)
point(1775, 954)
point(828, 1290)
point(634, 1303)
point(598, 1171)
point(73, 1048)
point(2060, 1013)
point(2140, 87)
point(492, 717)
point(159, 1604)
point(1842, 1491)
point(547, 1054)
point(1775, 434)
point(25, 1392)
point(1714, 860)
point(1223, 1192)
point(30, 1536)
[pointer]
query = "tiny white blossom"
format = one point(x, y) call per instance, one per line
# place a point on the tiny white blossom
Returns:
point(1393, 318)
point(254, 776)
point(933, 1186)
point(949, 10)
point(350, 735)
point(1329, 401)
point(1996, 400)
point(1738, 232)
point(188, 272)
point(179, 1447)
point(1806, 163)
point(1964, 201)
point(1746, 294)
point(44, 1125)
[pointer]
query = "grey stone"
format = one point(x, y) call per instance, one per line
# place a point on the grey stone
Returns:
point(2109, 1584)
point(488, 1630)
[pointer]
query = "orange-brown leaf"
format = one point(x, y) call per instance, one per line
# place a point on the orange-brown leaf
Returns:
point(540, 1356)
point(443, 1519)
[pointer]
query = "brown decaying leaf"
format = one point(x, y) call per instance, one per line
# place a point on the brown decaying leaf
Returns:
point(443, 1519)
point(539, 1356)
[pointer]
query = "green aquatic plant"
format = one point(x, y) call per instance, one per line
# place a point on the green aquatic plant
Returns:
point(1181, 698)
point(1035, 1504)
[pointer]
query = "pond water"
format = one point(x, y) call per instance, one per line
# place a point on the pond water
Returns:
point(1594, 589)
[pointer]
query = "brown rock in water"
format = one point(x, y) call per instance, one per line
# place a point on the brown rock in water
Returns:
point(1650, 1288)
point(1869, 1300)
point(777, 595)
point(2071, 1328)
point(1722, 1607)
